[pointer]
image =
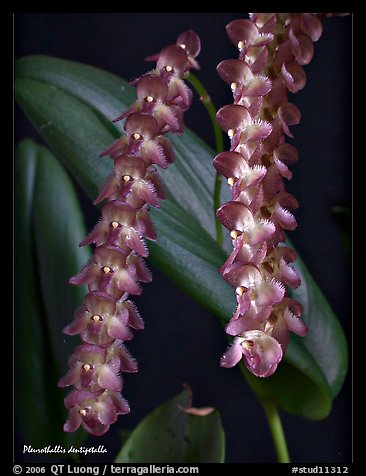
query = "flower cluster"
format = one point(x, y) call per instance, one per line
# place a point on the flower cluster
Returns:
point(107, 317)
point(273, 47)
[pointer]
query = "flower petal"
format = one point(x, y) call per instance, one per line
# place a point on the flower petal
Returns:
point(286, 153)
point(121, 405)
point(235, 216)
point(234, 71)
point(294, 76)
point(242, 31)
point(71, 377)
point(286, 218)
point(106, 412)
point(108, 379)
point(233, 355)
point(92, 425)
point(168, 115)
point(127, 362)
point(280, 330)
point(172, 56)
point(263, 39)
point(140, 269)
point(97, 235)
point(243, 302)
point(263, 353)
point(126, 283)
point(254, 106)
point(77, 397)
point(261, 231)
point(233, 117)
point(76, 326)
point(230, 164)
point(146, 225)
point(73, 421)
point(86, 275)
point(191, 42)
point(245, 275)
point(289, 275)
point(153, 86)
point(154, 153)
point(256, 130)
point(257, 86)
point(269, 292)
point(143, 124)
point(134, 318)
point(136, 243)
point(311, 25)
point(100, 303)
point(180, 93)
point(302, 47)
point(146, 191)
point(135, 167)
point(282, 168)
point(108, 188)
point(258, 57)
point(295, 324)
point(118, 330)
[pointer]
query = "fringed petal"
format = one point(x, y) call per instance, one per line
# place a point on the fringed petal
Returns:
point(108, 379)
point(118, 330)
point(86, 275)
point(146, 191)
point(233, 355)
point(120, 404)
point(146, 225)
point(127, 362)
point(289, 275)
point(295, 324)
point(286, 218)
point(258, 86)
point(136, 243)
point(256, 130)
point(71, 377)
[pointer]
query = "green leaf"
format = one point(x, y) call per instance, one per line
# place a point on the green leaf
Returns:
point(325, 340)
point(48, 224)
point(71, 105)
point(170, 435)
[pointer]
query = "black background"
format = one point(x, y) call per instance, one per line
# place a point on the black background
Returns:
point(181, 341)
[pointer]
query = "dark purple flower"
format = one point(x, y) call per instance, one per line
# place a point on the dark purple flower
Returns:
point(273, 47)
point(106, 318)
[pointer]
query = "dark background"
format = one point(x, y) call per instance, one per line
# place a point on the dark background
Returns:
point(181, 341)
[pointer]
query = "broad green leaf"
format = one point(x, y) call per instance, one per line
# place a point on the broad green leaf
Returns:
point(48, 224)
point(325, 340)
point(170, 435)
point(70, 105)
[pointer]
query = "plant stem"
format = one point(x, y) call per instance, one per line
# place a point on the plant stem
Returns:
point(206, 100)
point(278, 435)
